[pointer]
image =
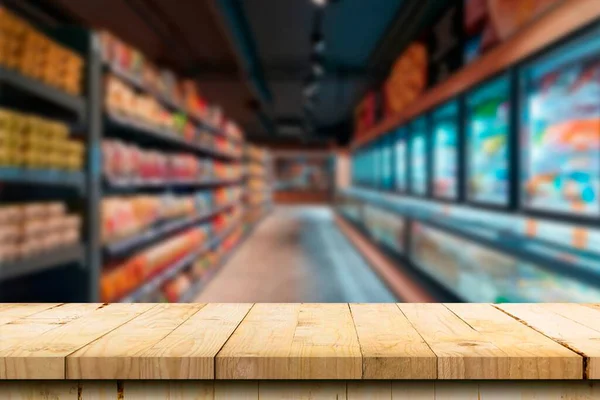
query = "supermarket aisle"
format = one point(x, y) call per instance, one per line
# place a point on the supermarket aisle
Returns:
point(296, 255)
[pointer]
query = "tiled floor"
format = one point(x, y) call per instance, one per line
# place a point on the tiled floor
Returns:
point(297, 254)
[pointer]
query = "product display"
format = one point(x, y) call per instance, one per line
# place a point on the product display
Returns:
point(386, 227)
point(401, 159)
point(122, 278)
point(126, 216)
point(488, 133)
point(560, 130)
point(30, 229)
point(408, 78)
point(132, 164)
point(478, 274)
point(30, 142)
point(33, 54)
point(419, 170)
point(445, 126)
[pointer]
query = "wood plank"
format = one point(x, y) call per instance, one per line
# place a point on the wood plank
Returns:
point(587, 316)
point(20, 330)
point(531, 354)
point(172, 390)
point(98, 390)
point(292, 341)
point(463, 353)
point(407, 390)
point(538, 390)
point(298, 390)
point(372, 390)
point(189, 351)
point(116, 355)
point(569, 333)
point(12, 312)
point(456, 391)
point(391, 347)
point(552, 26)
point(236, 390)
point(43, 357)
point(61, 390)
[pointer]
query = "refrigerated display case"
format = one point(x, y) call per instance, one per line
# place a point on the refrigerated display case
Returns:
point(476, 273)
point(445, 137)
point(385, 227)
point(488, 141)
point(387, 162)
point(560, 129)
point(401, 159)
point(419, 166)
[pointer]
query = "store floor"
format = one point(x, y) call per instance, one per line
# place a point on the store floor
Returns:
point(297, 254)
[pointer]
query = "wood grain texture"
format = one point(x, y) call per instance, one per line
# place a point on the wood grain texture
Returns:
point(378, 390)
point(462, 351)
point(562, 20)
point(292, 341)
point(407, 390)
point(391, 347)
point(20, 330)
point(338, 390)
point(531, 355)
point(171, 390)
point(12, 312)
point(308, 390)
point(117, 355)
point(98, 390)
point(236, 390)
point(43, 357)
point(188, 352)
point(573, 331)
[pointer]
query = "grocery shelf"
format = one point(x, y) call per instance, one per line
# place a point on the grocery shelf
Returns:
point(135, 128)
point(43, 261)
point(126, 246)
point(39, 89)
point(139, 85)
point(122, 184)
point(73, 180)
point(172, 271)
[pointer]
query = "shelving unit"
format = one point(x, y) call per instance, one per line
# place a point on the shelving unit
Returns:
point(482, 239)
point(90, 120)
point(259, 184)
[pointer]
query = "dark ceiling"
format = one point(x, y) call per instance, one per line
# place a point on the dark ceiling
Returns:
point(198, 38)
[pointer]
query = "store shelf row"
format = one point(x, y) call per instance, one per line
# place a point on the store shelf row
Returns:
point(135, 128)
point(133, 185)
point(170, 272)
point(74, 180)
point(581, 264)
point(38, 89)
point(44, 261)
point(128, 245)
point(139, 85)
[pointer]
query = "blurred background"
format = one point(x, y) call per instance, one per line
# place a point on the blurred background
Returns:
point(299, 151)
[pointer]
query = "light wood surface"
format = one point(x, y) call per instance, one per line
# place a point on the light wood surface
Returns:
point(292, 341)
point(300, 342)
point(299, 390)
point(573, 326)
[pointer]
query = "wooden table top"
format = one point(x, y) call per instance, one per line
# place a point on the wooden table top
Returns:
point(299, 341)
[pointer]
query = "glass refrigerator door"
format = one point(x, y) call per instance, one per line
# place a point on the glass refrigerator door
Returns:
point(419, 174)
point(560, 129)
point(445, 151)
point(386, 160)
point(488, 130)
point(400, 159)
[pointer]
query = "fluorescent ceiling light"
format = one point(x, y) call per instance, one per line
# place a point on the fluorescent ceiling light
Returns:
point(320, 3)
point(311, 89)
point(318, 69)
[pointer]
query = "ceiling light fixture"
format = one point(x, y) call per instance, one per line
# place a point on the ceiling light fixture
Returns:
point(318, 69)
point(318, 42)
point(320, 3)
point(310, 89)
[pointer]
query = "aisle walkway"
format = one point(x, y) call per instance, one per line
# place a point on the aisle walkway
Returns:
point(296, 255)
